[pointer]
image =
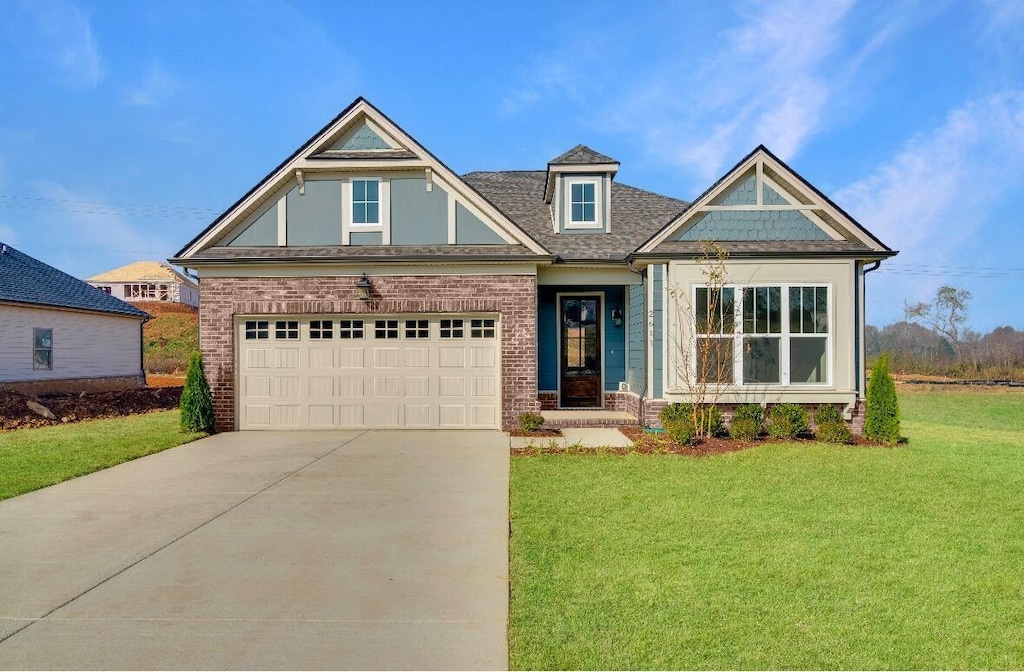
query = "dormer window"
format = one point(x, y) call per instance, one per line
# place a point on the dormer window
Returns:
point(583, 197)
point(365, 202)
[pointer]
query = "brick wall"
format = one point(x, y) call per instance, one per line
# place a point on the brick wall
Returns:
point(514, 297)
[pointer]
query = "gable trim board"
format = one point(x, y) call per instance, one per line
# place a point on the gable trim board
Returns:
point(300, 160)
point(758, 160)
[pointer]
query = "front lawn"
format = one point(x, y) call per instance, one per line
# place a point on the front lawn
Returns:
point(783, 556)
point(34, 458)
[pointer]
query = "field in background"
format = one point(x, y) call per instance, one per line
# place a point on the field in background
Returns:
point(169, 338)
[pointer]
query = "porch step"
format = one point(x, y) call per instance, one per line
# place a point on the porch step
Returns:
point(596, 418)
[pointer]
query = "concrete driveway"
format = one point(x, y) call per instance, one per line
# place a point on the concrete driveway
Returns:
point(378, 549)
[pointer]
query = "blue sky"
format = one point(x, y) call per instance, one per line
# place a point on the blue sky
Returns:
point(125, 127)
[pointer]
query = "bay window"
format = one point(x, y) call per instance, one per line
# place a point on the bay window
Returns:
point(744, 338)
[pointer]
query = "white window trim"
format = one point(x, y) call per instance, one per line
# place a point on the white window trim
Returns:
point(784, 335)
point(598, 222)
point(355, 226)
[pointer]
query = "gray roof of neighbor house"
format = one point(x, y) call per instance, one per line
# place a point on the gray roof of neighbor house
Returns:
point(581, 155)
point(636, 214)
point(30, 281)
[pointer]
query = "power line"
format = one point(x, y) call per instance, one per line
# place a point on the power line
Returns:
point(103, 208)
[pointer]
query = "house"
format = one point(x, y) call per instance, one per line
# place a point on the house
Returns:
point(148, 281)
point(59, 334)
point(363, 283)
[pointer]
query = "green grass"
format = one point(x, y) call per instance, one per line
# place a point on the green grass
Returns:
point(35, 458)
point(784, 556)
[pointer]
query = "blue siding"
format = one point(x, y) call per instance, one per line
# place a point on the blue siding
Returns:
point(470, 230)
point(418, 216)
point(753, 225)
point(363, 138)
point(262, 232)
point(314, 218)
point(658, 332)
point(635, 320)
point(743, 193)
point(366, 238)
point(771, 197)
point(547, 335)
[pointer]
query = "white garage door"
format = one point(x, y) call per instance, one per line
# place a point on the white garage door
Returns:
point(377, 372)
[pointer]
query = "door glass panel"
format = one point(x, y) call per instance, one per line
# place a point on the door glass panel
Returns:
point(581, 351)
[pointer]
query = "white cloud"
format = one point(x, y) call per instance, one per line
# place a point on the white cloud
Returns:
point(156, 88)
point(58, 33)
point(938, 190)
point(8, 235)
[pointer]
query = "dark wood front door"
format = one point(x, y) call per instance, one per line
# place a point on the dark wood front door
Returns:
point(580, 368)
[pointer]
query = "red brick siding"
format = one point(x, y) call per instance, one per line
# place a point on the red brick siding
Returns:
point(513, 297)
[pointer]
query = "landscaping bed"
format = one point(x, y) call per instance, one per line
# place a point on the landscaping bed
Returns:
point(72, 407)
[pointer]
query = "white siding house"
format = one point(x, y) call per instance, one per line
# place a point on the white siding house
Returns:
point(58, 333)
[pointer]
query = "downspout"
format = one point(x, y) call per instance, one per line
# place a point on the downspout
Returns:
point(858, 333)
point(142, 347)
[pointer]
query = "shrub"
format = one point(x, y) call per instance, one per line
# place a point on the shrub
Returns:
point(827, 413)
point(196, 402)
point(753, 412)
point(834, 432)
point(709, 417)
point(682, 430)
point(882, 421)
point(744, 429)
point(787, 421)
point(530, 422)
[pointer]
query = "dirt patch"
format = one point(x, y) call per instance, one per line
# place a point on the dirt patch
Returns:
point(72, 407)
point(164, 380)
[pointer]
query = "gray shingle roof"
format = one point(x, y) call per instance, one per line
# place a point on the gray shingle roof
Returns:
point(580, 155)
point(27, 280)
point(636, 214)
point(365, 252)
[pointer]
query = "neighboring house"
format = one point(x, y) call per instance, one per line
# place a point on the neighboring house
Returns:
point(148, 281)
point(362, 283)
point(59, 334)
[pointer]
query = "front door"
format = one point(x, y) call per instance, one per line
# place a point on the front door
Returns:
point(580, 368)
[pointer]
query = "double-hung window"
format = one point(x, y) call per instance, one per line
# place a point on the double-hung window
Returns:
point(583, 206)
point(770, 335)
point(366, 202)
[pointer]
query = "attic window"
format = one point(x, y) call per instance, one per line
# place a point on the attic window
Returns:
point(366, 202)
point(583, 196)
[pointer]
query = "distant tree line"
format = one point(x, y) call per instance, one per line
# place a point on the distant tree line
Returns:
point(934, 339)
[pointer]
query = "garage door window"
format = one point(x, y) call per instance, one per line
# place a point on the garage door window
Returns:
point(386, 329)
point(321, 330)
point(286, 330)
point(348, 329)
point(452, 329)
point(257, 330)
point(417, 329)
point(481, 328)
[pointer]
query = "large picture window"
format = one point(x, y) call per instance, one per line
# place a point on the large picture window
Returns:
point(770, 335)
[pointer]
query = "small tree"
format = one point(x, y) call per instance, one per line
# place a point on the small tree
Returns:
point(947, 315)
point(882, 421)
point(196, 402)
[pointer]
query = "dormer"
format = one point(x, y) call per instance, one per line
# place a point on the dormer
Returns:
point(578, 190)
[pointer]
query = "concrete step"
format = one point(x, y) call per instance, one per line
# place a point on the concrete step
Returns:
point(587, 418)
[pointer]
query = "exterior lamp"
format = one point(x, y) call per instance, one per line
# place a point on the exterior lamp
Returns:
point(617, 317)
point(364, 285)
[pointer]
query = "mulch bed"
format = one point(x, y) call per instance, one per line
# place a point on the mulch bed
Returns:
point(537, 432)
point(662, 444)
point(72, 407)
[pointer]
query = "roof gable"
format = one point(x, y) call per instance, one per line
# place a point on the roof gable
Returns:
point(762, 199)
point(581, 154)
point(361, 137)
point(24, 279)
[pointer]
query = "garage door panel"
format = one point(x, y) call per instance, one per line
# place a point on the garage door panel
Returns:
point(416, 376)
point(321, 386)
point(350, 358)
point(321, 358)
point(287, 358)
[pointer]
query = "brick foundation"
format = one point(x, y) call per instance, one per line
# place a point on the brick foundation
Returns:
point(513, 297)
point(106, 384)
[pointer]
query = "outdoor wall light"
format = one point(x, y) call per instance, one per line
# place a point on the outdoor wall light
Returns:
point(364, 285)
point(617, 317)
